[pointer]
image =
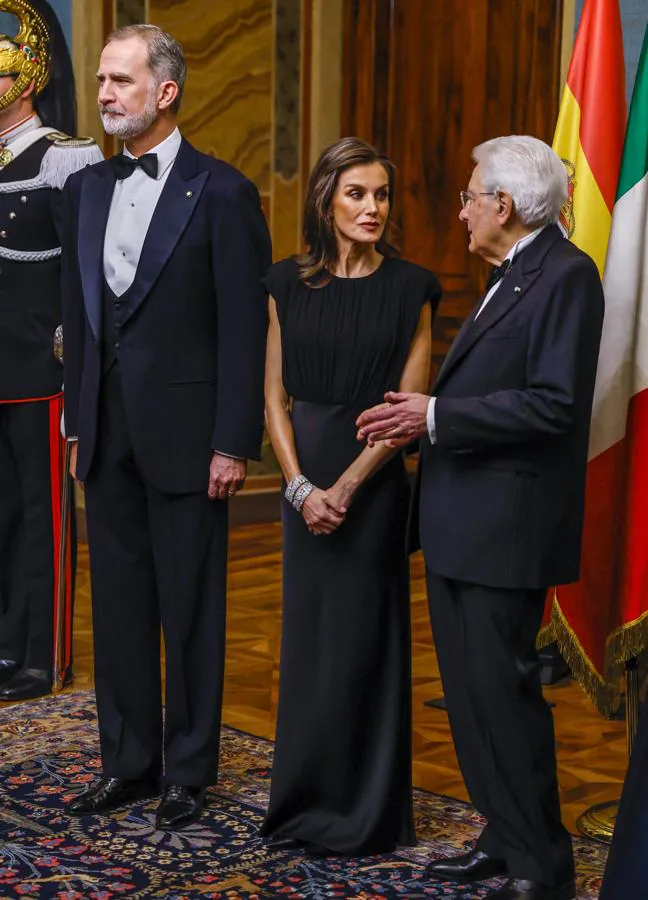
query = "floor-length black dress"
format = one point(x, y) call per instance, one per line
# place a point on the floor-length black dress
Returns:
point(341, 776)
point(626, 872)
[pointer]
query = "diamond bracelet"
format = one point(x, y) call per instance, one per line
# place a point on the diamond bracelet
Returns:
point(293, 485)
point(297, 490)
point(302, 493)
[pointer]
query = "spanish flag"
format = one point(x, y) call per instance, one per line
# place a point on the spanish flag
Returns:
point(591, 126)
point(590, 139)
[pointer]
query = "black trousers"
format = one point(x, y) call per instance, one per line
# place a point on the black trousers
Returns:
point(27, 539)
point(156, 559)
point(501, 725)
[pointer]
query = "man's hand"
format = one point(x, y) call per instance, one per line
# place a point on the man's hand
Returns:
point(226, 476)
point(320, 514)
point(402, 420)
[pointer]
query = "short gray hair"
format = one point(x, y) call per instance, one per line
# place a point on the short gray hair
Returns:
point(165, 55)
point(527, 169)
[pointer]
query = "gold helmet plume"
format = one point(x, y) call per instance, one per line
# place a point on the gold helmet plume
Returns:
point(26, 55)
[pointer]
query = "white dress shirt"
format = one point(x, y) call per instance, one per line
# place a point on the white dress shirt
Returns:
point(513, 252)
point(133, 204)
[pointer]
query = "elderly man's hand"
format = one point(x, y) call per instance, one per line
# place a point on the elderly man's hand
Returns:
point(226, 476)
point(401, 420)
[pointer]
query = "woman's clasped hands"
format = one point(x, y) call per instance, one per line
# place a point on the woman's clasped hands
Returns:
point(325, 511)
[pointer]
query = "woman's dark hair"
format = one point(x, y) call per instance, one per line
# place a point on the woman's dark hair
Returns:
point(319, 235)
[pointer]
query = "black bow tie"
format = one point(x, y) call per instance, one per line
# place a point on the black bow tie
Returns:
point(497, 273)
point(124, 166)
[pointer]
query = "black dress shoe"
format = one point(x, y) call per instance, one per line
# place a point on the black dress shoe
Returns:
point(518, 889)
point(27, 684)
point(111, 793)
point(283, 843)
point(180, 806)
point(473, 866)
point(8, 668)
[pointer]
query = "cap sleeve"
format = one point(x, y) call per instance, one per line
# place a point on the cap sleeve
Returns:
point(280, 279)
point(432, 292)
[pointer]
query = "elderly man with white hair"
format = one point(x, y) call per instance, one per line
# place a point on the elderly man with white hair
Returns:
point(499, 505)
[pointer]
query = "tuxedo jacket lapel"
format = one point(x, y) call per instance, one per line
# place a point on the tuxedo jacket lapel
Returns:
point(175, 207)
point(513, 287)
point(96, 196)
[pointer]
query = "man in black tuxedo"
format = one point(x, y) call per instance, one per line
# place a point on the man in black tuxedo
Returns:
point(165, 326)
point(500, 494)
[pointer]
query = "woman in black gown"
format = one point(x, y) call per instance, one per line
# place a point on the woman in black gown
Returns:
point(626, 872)
point(348, 322)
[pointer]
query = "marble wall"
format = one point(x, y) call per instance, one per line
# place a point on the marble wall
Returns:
point(227, 108)
point(248, 94)
point(130, 12)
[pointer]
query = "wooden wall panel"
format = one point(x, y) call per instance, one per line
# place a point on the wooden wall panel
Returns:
point(286, 185)
point(427, 80)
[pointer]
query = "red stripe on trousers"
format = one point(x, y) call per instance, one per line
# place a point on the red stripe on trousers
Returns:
point(57, 469)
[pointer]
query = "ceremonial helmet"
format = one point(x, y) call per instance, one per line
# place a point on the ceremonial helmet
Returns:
point(39, 54)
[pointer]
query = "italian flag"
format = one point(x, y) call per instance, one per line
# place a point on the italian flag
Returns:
point(603, 619)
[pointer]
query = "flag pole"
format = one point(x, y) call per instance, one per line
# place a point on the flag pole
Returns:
point(598, 821)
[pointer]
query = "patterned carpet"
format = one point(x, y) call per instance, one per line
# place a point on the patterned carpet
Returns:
point(49, 751)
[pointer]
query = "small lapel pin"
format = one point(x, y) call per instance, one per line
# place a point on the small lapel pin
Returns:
point(517, 289)
point(189, 193)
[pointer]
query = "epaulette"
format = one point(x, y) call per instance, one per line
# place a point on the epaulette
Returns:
point(60, 139)
point(66, 156)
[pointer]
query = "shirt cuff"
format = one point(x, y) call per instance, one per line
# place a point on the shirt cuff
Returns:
point(229, 455)
point(431, 423)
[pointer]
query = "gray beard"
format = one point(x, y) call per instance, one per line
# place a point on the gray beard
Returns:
point(128, 127)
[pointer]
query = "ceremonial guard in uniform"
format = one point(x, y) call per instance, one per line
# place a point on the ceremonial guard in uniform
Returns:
point(37, 105)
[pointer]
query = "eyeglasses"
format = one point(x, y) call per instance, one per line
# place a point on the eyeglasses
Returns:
point(467, 197)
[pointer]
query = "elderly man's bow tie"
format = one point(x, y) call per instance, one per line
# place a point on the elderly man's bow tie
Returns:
point(497, 273)
point(124, 166)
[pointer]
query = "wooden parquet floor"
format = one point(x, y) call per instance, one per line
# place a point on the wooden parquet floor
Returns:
point(591, 750)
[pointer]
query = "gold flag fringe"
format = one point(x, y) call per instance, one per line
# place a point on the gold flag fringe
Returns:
point(605, 690)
